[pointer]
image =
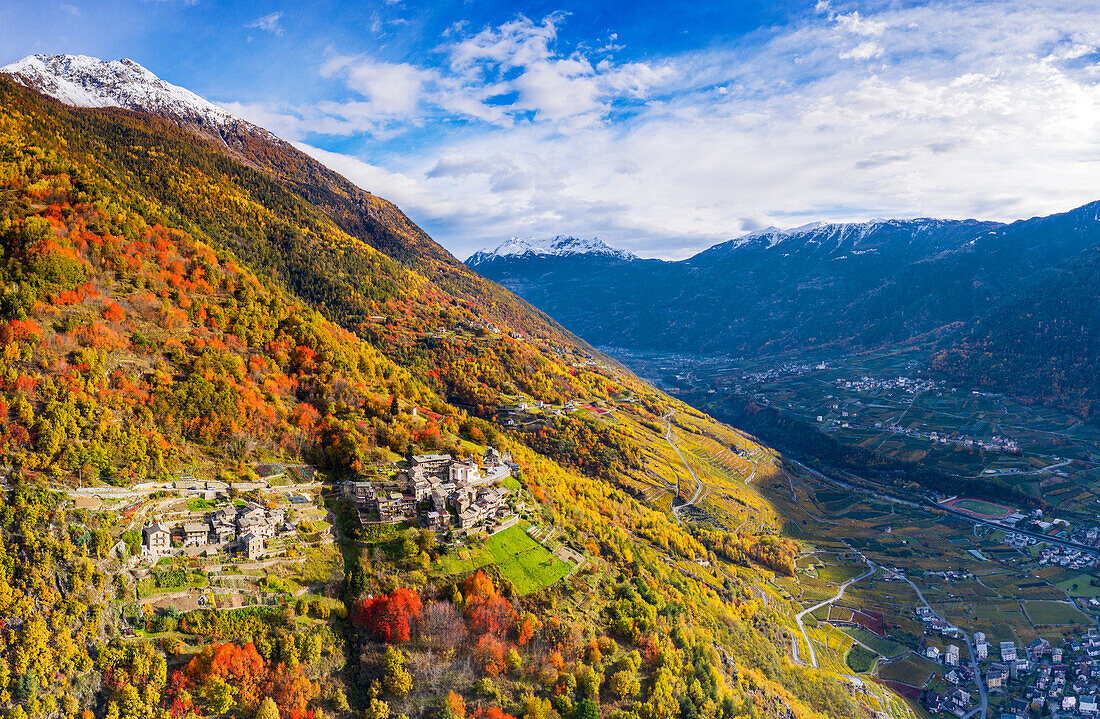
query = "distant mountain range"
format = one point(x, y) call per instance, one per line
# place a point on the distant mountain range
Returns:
point(560, 246)
point(1013, 306)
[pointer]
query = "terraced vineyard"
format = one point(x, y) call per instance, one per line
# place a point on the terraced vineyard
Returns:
point(875, 643)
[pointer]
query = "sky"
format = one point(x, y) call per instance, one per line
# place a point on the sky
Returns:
point(660, 127)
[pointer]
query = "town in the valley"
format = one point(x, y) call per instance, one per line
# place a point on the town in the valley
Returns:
point(1039, 679)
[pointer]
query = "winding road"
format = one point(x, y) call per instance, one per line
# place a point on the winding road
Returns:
point(804, 612)
point(698, 484)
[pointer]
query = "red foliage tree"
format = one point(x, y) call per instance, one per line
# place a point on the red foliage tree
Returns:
point(494, 615)
point(113, 313)
point(455, 706)
point(478, 586)
point(248, 674)
point(240, 667)
point(491, 713)
point(525, 629)
point(291, 692)
point(486, 611)
point(390, 617)
point(489, 653)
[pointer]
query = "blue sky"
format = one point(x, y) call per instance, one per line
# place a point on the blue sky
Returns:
point(660, 127)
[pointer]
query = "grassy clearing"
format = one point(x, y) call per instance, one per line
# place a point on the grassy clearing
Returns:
point(523, 561)
point(1081, 586)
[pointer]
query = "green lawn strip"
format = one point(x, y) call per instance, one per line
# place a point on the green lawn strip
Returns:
point(479, 557)
point(1081, 586)
point(977, 506)
point(525, 562)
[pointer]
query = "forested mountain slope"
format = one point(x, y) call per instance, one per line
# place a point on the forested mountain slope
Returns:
point(167, 309)
point(857, 287)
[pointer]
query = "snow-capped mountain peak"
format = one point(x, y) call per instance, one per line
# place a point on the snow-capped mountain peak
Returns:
point(82, 81)
point(837, 241)
point(560, 246)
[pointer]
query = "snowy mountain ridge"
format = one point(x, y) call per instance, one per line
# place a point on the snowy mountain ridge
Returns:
point(560, 246)
point(83, 81)
point(849, 236)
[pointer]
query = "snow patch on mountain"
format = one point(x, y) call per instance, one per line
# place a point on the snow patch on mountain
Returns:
point(83, 81)
point(850, 236)
point(560, 246)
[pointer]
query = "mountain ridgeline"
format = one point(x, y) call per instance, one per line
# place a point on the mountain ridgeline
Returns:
point(1009, 306)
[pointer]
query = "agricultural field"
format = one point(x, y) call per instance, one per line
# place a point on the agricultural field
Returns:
point(860, 660)
point(913, 670)
point(1081, 585)
point(1056, 613)
point(922, 543)
point(885, 647)
point(980, 508)
point(523, 561)
point(898, 420)
point(840, 574)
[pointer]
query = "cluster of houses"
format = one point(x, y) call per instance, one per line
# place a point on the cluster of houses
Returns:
point(935, 625)
point(1067, 557)
point(437, 491)
point(950, 656)
point(525, 412)
point(906, 385)
point(1052, 554)
point(956, 701)
point(1063, 678)
point(244, 529)
point(1032, 679)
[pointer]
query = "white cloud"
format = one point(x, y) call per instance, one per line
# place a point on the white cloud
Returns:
point(853, 22)
point(389, 88)
point(497, 75)
point(514, 44)
point(863, 51)
point(272, 23)
point(945, 109)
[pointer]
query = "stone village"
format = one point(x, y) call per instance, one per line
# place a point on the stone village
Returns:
point(435, 491)
point(438, 491)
